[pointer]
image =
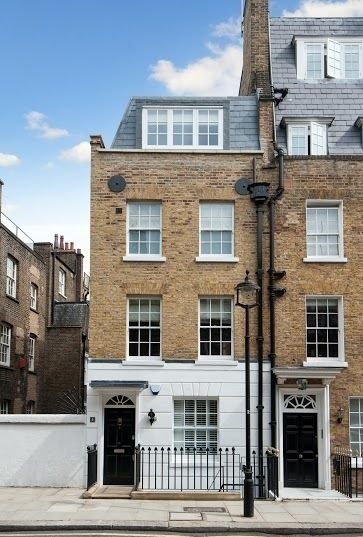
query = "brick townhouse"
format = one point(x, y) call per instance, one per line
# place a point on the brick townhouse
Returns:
point(191, 193)
point(43, 317)
point(170, 240)
point(315, 68)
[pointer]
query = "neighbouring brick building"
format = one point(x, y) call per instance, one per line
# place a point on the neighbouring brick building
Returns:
point(315, 69)
point(44, 319)
point(193, 192)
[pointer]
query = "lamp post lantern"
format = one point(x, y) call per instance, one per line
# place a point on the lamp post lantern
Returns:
point(247, 298)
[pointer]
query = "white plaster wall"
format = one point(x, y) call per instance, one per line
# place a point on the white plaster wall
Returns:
point(42, 450)
point(225, 383)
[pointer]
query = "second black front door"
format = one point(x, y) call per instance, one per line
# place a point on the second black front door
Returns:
point(119, 446)
point(300, 450)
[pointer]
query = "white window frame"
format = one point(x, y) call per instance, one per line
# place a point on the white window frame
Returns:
point(33, 296)
point(328, 362)
point(5, 344)
point(170, 145)
point(158, 258)
point(219, 358)
point(216, 258)
point(309, 126)
point(31, 352)
point(195, 427)
point(336, 71)
point(4, 406)
point(310, 204)
point(359, 459)
point(11, 276)
point(62, 279)
point(143, 359)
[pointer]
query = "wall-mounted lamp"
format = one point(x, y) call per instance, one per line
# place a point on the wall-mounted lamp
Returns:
point(302, 384)
point(151, 416)
point(340, 414)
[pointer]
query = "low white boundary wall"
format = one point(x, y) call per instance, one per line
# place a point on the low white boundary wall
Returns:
point(43, 450)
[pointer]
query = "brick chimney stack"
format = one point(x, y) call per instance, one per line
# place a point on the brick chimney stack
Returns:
point(256, 55)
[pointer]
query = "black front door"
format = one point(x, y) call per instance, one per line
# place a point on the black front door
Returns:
point(300, 450)
point(119, 446)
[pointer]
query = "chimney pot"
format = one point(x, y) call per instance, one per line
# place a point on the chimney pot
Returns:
point(79, 251)
point(56, 242)
point(66, 246)
point(61, 245)
point(71, 246)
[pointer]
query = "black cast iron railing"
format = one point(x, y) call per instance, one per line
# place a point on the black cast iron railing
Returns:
point(348, 473)
point(191, 469)
point(91, 465)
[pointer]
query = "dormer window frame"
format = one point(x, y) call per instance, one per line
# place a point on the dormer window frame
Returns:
point(314, 132)
point(359, 125)
point(201, 128)
point(332, 54)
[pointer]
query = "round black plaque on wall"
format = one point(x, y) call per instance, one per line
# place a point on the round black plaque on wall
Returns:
point(116, 183)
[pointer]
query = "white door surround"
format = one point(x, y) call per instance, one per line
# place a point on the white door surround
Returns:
point(320, 396)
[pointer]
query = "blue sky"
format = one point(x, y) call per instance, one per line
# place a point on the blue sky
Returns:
point(68, 69)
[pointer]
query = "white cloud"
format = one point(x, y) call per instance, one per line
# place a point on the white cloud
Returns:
point(230, 28)
point(321, 8)
point(36, 121)
point(48, 166)
point(216, 74)
point(7, 160)
point(78, 153)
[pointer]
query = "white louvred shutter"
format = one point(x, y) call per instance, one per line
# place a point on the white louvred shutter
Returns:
point(334, 59)
point(318, 139)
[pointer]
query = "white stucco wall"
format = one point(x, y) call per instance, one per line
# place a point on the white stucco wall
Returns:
point(179, 380)
point(42, 450)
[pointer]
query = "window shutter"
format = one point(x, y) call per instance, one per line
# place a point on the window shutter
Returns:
point(334, 60)
point(318, 139)
point(300, 50)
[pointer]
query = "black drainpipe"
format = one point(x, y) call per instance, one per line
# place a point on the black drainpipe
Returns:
point(274, 292)
point(52, 290)
point(259, 195)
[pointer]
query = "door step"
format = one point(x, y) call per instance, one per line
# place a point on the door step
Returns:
point(116, 492)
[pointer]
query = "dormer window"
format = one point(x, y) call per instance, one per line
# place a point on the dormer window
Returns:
point(182, 128)
point(307, 136)
point(319, 58)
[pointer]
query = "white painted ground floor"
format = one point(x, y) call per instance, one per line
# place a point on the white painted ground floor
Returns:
point(201, 405)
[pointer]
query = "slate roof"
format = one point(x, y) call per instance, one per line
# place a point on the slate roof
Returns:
point(341, 99)
point(240, 120)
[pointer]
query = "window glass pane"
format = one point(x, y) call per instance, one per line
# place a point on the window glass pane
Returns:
point(144, 224)
point(215, 327)
point(144, 327)
point(298, 140)
point(314, 58)
point(351, 55)
point(322, 340)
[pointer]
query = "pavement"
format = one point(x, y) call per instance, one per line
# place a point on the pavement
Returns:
point(64, 509)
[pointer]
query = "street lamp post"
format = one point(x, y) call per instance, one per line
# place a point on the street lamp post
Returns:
point(247, 294)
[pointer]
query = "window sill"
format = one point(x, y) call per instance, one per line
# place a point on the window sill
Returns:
point(220, 362)
point(147, 258)
point(331, 259)
point(62, 295)
point(13, 298)
point(216, 259)
point(31, 371)
point(34, 311)
point(325, 363)
point(143, 362)
point(6, 366)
